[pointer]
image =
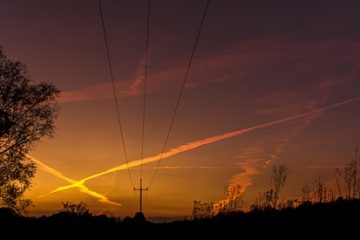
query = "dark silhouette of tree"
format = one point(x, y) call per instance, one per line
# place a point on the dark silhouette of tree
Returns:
point(307, 193)
point(348, 179)
point(321, 190)
point(270, 198)
point(27, 113)
point(233, 202)
point(338, 181)
point(75, 209)
point(317, 192)
point(259, 203)
point(278, 180)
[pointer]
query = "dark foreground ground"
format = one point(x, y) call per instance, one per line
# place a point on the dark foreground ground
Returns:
point(339, 219)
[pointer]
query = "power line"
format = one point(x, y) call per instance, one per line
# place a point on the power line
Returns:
point(114, 90)
point(145, 82)
point(181, 91)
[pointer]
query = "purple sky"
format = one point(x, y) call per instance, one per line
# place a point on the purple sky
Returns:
point(257, 61)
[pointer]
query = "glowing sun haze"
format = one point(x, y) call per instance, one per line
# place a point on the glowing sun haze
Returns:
point(271, 82)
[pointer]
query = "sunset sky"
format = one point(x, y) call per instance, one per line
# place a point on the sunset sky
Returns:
point(257, 62)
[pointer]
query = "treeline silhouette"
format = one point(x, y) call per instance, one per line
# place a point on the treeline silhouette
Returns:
point(336, 217)
point(321, 211)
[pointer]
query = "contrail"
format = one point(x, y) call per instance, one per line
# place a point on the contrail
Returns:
point(199, 143)
point(81, 187)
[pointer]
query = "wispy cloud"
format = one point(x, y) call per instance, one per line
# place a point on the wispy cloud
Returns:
point(243, 62)
point(255, 159)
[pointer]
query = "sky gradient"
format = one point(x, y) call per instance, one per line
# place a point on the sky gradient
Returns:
point(257, 62)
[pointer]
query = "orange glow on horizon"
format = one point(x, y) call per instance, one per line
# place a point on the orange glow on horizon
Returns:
point(174, 151)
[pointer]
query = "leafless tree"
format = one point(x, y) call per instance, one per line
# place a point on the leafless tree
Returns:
point(233, 194)
point(270, 198)
point(338, 175)
point(259, 203)
point(307, 193)
point(348, 178)
point(279, 175)
point(319, 189)
point(232, 202)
